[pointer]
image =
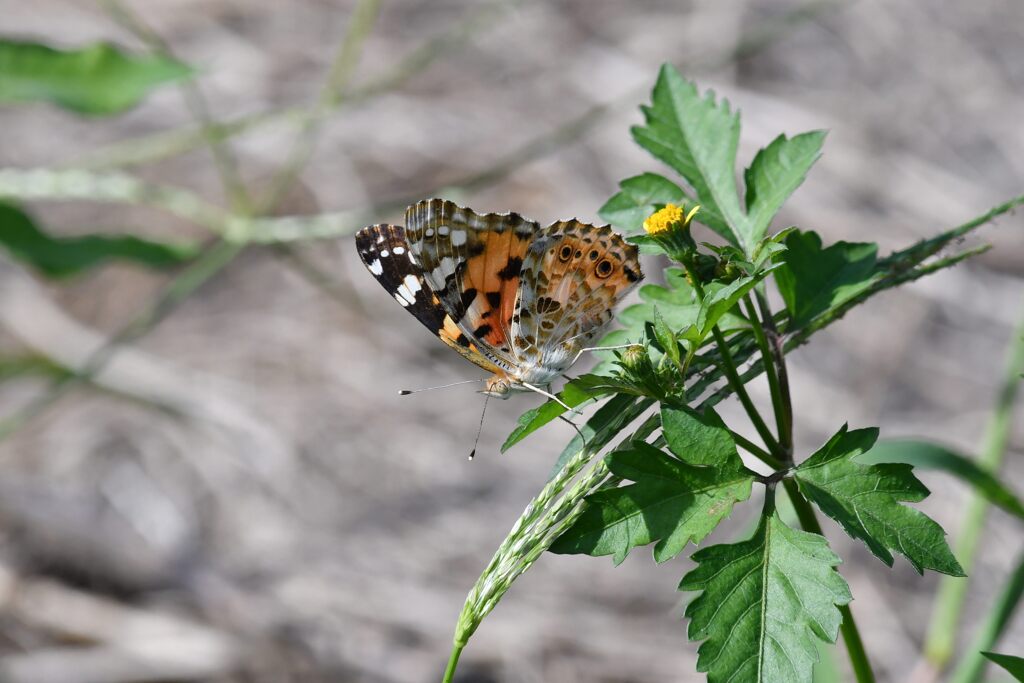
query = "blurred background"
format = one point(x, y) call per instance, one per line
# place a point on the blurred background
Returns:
point(237, 493)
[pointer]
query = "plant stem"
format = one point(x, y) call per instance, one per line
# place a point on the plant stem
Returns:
point(755, 450)
point(781, 398)
point(972, 666)
point(728, 367)
point(851, 636)
point(940, 643)
point(453, 662)
point(783, 420)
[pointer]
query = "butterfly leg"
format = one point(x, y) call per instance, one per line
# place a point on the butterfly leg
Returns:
point(551, 396)
point(573, 425)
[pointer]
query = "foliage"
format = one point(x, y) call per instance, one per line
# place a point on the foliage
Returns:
point(766, 604)
point(631, 477)
point(63, 257)
point(1013, 665)
point(97, 80)
point(763, 603)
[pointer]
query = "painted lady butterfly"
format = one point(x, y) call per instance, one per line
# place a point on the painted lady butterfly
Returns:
point(519, 300)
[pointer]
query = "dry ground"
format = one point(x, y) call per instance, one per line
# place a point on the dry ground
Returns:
point(292, 519)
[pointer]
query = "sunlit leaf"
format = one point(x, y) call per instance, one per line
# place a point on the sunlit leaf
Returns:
point(764, 601)
point(67, 256)
point(813, 280)
point(866, 501)
point(95, 80)
point(777, 170)
point(925, 454)
point(671, 502)
point(697, 136)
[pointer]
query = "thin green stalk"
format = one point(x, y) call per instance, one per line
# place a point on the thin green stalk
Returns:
point(941, 641)
point(973, 663)
point(783, 400)
point(453, 663)
point(729, 370)
point(755, 450)
point(851, 635)
point(783, 417)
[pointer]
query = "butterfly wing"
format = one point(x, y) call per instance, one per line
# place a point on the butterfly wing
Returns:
point(572, 277)
point(473, 262)
point(385, 252)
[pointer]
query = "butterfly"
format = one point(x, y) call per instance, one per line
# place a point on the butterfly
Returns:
point(519, 300)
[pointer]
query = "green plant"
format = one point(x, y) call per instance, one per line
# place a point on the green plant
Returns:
point(669, 477)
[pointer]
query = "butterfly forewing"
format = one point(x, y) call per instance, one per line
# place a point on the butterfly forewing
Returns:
point(385, 252)
point(473, 262)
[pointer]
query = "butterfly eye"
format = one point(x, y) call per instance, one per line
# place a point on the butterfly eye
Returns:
point(604, 269)
point(565, 253)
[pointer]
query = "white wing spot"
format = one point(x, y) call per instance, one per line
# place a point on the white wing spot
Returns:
point(399, 251)
point(407, 290)
point(384, 253)
point(445, 268)
point(429, 232)
point(400, 299)
point(376, 268)
point(458, 238)
point(443, 230)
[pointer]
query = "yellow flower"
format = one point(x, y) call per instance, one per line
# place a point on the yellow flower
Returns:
point(662, 220)
point(665, 219)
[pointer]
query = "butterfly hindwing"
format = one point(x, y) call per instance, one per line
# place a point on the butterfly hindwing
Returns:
point(385, 252)
point(473, 262)
point(573, 276)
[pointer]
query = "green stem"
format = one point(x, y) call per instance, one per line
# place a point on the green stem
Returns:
point(752, 448)
point(940, 644)
point(783, 422)
point(972, 666)
point(729, 370)
point(851, 635)
point(453, 662)
point(782, 401)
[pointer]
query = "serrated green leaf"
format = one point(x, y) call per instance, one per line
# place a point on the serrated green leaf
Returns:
point(1013, 665)
point(764, 601)
point(95, 80)
point(777, 170)
point(698, 137)
point(699, 438)
point(62, 257)
point(865, 501)
point(925, 454)
point(813, 279)
point(575, 393)
point(672, 502)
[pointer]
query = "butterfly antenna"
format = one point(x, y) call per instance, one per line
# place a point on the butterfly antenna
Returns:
point(480, 428)
point(406, 392)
